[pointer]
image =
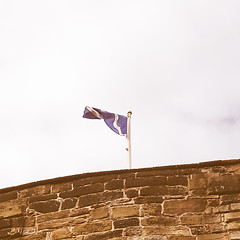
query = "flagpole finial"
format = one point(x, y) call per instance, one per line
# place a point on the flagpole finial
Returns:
point(129, 113)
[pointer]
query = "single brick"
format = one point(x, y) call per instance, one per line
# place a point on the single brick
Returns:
point(97, 179)
point(13, 208)
point(211, 236)
point(177, 180)
point(198, 181)
point(61, 233)
point(63, 187)
point(232, 216)
point(131, 193)
point(5, 223)
point(52, 216)
point(110, 195)
point(79, 212)
point(39, 190)
point(148, 199)
point(163, 221)
point(69, 203)
point(163, 190)
point(224, 184)
point(79, 191)
point(166, 172)
point(166, 230)
point(191, 219)
point(114, 184)
point(125, 211)
point(88, 200)
point(42, 198)
point(45, 207)
point(181, 206)
point(92, 227)
point(152, 209)
point(146, 181)
point(115, 234)
point(127, 222)
point(8, 196)
point(99, 213)
point(57, 223)
point(133, 231)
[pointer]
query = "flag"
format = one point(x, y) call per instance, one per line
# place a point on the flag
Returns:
point(116, 122)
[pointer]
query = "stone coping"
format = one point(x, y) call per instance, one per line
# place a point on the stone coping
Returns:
point(95, 174)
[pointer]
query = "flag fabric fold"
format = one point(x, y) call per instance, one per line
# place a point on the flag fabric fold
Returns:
point(116, 122)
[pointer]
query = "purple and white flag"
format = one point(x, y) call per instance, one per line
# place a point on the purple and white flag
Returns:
point(116, 122)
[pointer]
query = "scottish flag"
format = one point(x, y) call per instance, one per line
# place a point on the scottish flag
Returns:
point(116, 122)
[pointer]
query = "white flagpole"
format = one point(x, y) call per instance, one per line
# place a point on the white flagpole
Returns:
point(129, 139)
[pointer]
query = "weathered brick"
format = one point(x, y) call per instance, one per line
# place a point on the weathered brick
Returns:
point(114, 184)
point(230, 198)
point(217, 228)
point(235, 225)
point(62, 187)
point(224, 184)
point(235, 206)
point(79, 191)
point(197, 181)
point(37, 236)
point(163, 190)
point(39, 198)
point(145, 181)
point(88, 200)
point(69, 203)
point(92, 227)
point(130, 193)
point(166, 230)
point(181, 206)
point(234, 235)
point(97, 179)
point(45, 207)
point(133, 231)
point(182, 238)
point(199, 230)
point(177, 180)
point(57, 223)
point(232, 216)
point(99, 213)
point(62, 233)
point(127, 222)
point(152, 209)
point(79, 212)
point(38, 190)
point(5, 223)
point(114, 235)
point(8, 196)
point(125, 211)
point(211, 236)
point(5, 233)
point(213, 218)
point(148, 199)
point(191, 219)
point(166, 172)
point(52, 216)
point(163, 221)
point(111, 195)
point(12, 208)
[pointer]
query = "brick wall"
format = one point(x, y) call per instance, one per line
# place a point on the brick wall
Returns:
point(185, 202)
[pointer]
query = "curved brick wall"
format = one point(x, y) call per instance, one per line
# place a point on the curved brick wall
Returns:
point(185, 202)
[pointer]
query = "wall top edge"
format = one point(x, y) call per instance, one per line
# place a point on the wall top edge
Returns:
point(95, 174)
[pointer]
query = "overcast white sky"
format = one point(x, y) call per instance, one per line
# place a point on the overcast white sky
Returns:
point(174, 64)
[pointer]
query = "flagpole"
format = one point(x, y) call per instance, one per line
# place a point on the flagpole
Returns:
point(129, 138)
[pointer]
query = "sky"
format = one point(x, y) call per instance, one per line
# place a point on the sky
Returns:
point(174, 64)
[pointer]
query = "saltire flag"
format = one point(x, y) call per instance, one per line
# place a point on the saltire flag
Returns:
point(116, 122)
